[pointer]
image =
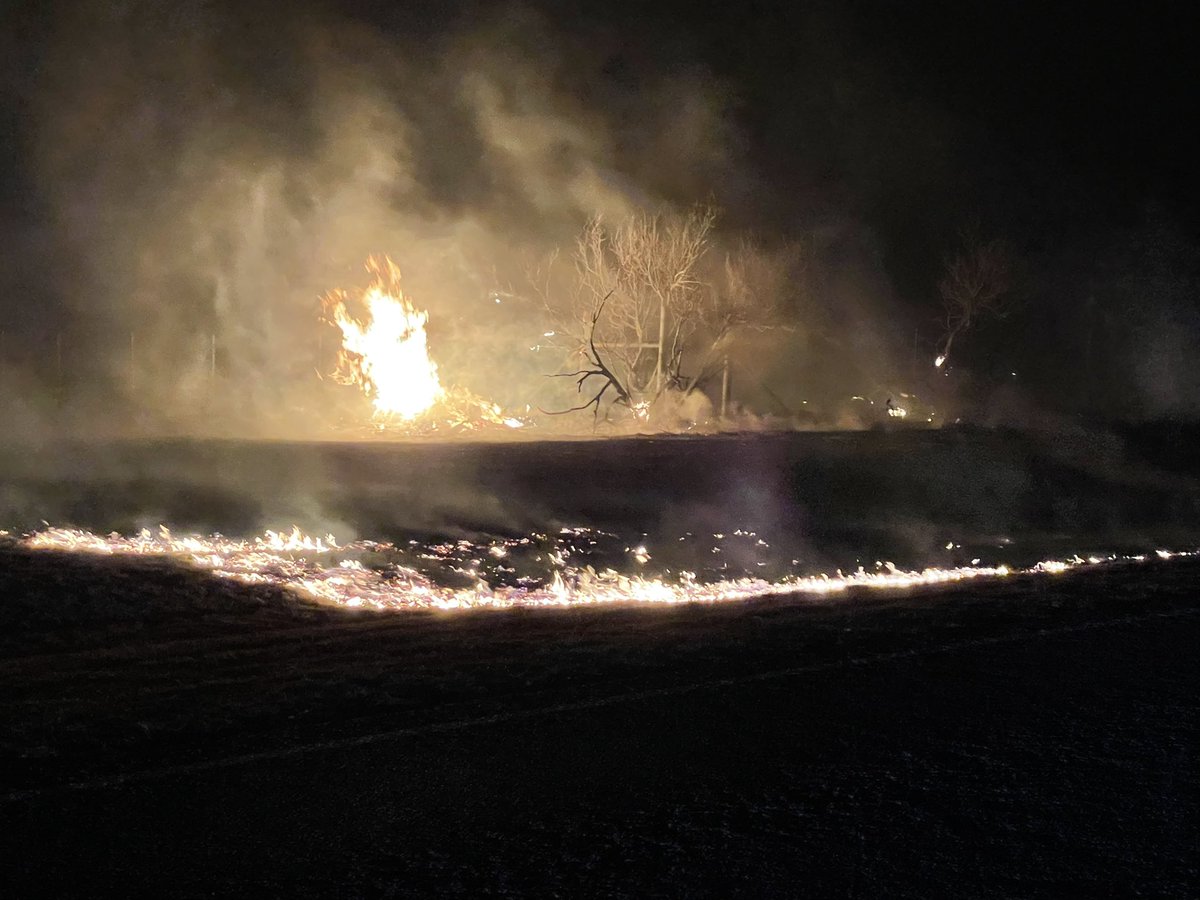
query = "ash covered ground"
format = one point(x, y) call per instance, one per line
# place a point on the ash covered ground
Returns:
point(166, 731)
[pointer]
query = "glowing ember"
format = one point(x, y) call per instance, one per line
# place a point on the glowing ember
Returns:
point(321, 569)
point(387, 354)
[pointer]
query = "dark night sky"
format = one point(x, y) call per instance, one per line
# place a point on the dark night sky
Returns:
point(1063, 127)
point(1079, 109)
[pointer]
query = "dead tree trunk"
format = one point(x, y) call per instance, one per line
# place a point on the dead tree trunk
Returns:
point(596, 368)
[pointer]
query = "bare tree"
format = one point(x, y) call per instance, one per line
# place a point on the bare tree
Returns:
point(649, 310)
point(977, 283)
point(595, 368)
point(633, 300)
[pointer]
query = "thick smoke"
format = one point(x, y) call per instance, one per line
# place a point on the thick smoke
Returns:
point(209, 174)
point(191, 178)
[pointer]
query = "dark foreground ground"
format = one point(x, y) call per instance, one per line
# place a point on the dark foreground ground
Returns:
point(164, 734)
point(1032, 737)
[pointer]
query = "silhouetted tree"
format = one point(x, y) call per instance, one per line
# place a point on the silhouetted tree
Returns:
point(977, 283)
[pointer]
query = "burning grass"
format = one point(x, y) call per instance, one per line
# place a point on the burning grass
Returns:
point(385, 353)
point(464, 575)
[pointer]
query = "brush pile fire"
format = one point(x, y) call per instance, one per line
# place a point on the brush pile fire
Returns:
point(385, 353)
point(533, 571)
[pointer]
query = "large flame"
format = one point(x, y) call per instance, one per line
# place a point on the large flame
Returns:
point(387, 355)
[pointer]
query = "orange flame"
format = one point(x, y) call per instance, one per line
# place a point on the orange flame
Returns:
point(387, 355)
point(322, 570)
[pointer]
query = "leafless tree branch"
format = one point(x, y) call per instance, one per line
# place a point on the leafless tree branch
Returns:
point(597, 369)
point(976, 283)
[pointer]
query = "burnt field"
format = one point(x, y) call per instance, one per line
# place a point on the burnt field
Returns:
point(829, 498)
point(163, 731)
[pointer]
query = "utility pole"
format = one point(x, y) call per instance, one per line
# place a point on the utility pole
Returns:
point(725, 386)
point(662, 330)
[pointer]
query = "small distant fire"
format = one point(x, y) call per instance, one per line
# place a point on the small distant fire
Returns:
point(386, 355)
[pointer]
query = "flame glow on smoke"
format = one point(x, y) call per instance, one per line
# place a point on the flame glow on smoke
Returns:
point(387, 355)
point(366, 573)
